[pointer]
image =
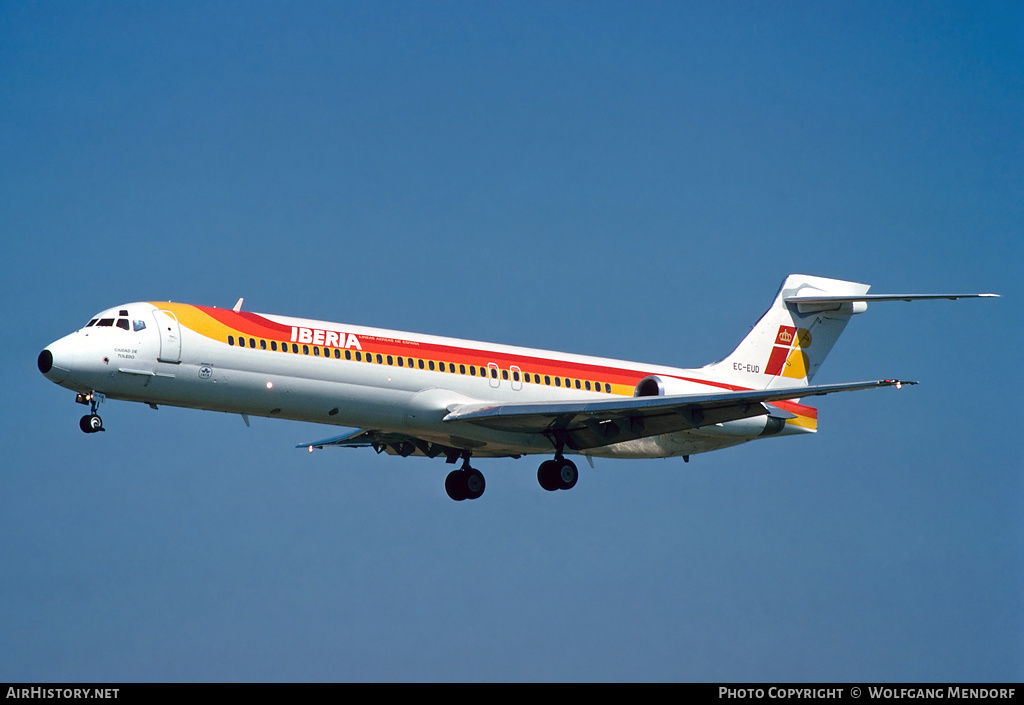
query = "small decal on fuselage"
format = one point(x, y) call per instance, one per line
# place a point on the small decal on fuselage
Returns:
point(205, 372)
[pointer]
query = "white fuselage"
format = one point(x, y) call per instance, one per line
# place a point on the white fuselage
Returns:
point(353, 376)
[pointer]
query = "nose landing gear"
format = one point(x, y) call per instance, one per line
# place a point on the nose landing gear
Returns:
point(90, 423)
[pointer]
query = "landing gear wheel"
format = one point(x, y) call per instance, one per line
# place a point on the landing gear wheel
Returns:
point(91, 423)
point(567, 474)
point(455, 485)
point(474, 482)
point(547, 475)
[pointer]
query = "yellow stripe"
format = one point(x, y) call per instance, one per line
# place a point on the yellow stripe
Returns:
point(804, 422)
point(194, 319)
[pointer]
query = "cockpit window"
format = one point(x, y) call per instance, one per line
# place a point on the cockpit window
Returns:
point(105, 322)
point(122, 323)
point(91, 323)
point(138, 325)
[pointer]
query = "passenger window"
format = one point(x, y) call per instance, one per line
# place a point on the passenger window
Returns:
point(295, 348)
point(577, 384)
point(494, 373)
point(431, 365)
point(607, 387)
point(504, 375)
point(241, 342)
point(558, 381)
point(586, 385)
point(547, 380)
point(263, 344)
point(316, 351)
point(231, 340)
point(401, 362)
point(462, 369)
point(305, 350)
point(390, 361)
point(380, 359)
point(252, 342)
point(420, 364)
point(472, 370)
point(441, 366)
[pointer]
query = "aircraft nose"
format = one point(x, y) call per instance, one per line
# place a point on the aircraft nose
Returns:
point(55, 361)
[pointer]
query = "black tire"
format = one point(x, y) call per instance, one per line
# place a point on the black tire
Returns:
point(90, 423)
point(547, 475)
point(455, 485)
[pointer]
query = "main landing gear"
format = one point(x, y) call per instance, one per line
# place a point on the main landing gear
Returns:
point(91, 422)
point(464, 483)
point(468, 482)
point(557, 474)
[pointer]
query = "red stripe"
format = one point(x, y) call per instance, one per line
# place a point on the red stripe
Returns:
point(249, 323)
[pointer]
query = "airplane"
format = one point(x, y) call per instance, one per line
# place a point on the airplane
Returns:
point(420, 395)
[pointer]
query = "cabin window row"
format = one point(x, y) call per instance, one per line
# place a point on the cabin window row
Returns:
point(431, 365)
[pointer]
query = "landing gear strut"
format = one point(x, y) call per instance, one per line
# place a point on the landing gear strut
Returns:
point(464, 483)
point(90, 423)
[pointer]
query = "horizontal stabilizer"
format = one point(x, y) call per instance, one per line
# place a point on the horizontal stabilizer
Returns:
point(879, 297)
point(811, 303)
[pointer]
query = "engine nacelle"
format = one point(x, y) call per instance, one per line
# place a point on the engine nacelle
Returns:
point(658, 386)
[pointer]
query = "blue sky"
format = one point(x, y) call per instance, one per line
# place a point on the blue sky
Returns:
point(625, 180)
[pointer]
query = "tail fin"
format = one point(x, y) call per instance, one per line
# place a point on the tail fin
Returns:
point(787, 345)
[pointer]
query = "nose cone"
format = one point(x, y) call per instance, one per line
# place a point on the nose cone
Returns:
point(55, 362)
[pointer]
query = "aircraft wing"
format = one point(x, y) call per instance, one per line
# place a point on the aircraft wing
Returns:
point(589, 424)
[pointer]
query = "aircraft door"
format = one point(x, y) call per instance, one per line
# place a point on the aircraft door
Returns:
point(170, 336)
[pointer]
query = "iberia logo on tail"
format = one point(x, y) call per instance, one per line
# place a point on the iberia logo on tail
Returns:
point(788, 357)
